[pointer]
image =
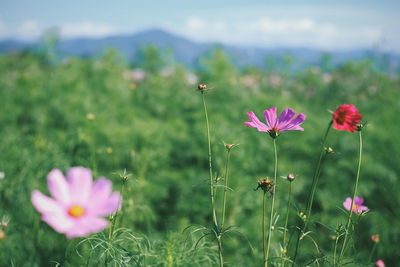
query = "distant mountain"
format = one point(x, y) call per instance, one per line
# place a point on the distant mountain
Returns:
point(188, 52)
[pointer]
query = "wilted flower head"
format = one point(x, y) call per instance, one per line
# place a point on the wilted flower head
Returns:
point(375, 238)
point(78, 204)
point(357, 205)
point(274, 125)
point(265, 184)
point(380, 263)
point(346, 118)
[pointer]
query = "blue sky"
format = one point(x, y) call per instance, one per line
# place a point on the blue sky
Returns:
point(324, 24)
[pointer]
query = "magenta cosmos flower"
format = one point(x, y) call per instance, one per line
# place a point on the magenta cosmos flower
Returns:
point(357, 205)
point(78, 204)
point(380, 263)
point(286, 121)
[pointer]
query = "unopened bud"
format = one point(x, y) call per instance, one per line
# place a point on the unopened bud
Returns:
point(290, 177)
point(360, 127)
point(90, 116)
point(2, 235)
point(229, 146)
point(202, 87)
point(375, 238)
point(329, 150)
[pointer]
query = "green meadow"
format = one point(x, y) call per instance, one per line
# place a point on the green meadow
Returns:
point(148, 126)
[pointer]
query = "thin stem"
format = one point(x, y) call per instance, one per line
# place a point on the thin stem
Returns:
point(354, 196)
point(221, 260)
point(316, 175)
point(372, 252)
point(334, 251)
point(272, 202)
point(210, 163)
point(263, 228)
point(226, 187)
point(287, 217)
point(313, 189)
point(114, 221)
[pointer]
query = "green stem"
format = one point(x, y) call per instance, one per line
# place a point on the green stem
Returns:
point(221, 260)
point(287, 218)
point(354, 196)
point(210, 164)
point(316, 176)
point(334, 251)
point(313, 189)
point(372, 252)
point(263, 228)
point(272, 202)
point(226, 188)
point(113, 223)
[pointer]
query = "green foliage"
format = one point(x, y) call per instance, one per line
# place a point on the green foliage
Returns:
point(91, 112)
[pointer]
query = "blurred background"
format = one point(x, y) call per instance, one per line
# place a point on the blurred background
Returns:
point(112, 86)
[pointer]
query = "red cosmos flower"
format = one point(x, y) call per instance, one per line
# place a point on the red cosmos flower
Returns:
point(346, 118)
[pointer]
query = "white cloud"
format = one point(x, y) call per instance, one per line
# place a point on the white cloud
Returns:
point(32, 29)
point(26, 30)
point(86, 29)
point(284, 32)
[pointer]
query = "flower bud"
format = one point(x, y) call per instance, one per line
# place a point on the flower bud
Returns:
point(90, 116)
point(290, 177)
point(229, 146)
point(329, 150)
point(360, 127)
point(375, 238)
point(2, 235)
point(202, 87)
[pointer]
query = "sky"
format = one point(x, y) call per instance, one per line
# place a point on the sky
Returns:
point(322, 24)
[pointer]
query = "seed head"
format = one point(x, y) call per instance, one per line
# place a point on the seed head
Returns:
point(266, 185)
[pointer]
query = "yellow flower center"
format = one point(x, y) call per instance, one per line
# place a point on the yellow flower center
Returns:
point(76, 211)
point(355, 208)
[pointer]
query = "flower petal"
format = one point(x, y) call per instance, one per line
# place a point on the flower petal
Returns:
point(295, 123)
point(347, 203)
point(86, 226)
point(80, 184)
point(58, 187)
point(101, 190)
point(107, 206)
point(270, 117)
point(256, 123)
point(358, 201)
point(44, 204)
point(285, 118)
point(60, 222)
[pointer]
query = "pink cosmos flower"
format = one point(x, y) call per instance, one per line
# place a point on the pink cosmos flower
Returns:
point(379, 263)
point(78, 204)
point(285, 122)
point(357, 205)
